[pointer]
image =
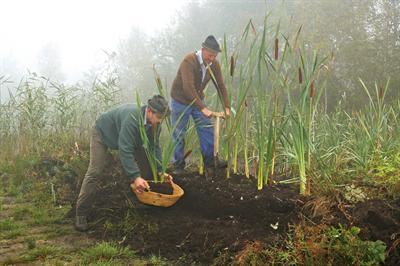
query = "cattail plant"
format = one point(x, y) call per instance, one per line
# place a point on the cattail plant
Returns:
point(300, 76)
point(151, 146)
point(374, 121)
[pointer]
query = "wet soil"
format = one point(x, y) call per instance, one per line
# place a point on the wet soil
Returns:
point(220, 217)
point(163, 188)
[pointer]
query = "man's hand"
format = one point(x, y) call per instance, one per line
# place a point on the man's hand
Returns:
point(140, 185)
point(206, 112)
point(227, 112)
point(167, 177)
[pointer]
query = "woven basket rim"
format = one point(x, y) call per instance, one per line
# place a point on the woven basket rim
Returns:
point(160, 199)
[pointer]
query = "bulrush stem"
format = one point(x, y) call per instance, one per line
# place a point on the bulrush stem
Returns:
point(246, 159)
point(246, 162)
point(254, 166)
point(235, 155)
point(201, 167)
point(271, 179)
point(260, 173)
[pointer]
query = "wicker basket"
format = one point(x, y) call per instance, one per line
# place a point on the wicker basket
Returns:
point(159, 199)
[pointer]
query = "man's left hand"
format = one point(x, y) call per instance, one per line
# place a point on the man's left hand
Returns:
point(227, 112)
point(167, 177)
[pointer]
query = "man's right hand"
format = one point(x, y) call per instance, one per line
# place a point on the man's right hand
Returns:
point(206, 112)
point(140, 184)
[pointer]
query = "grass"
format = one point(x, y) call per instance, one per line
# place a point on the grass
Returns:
point(41, 252)
point(131, 222)
point(106, 251)
point(10, 228)
point(318, 246)
point(36, 229)
point(157, 261)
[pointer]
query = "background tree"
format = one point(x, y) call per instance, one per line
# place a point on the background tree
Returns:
point(49, 62)
point(135, 59)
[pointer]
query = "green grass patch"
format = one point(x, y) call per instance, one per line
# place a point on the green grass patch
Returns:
point(106, 252)
point(129, 223)
point(30, 242)
point(49, 215)
point(41, 252)
point(16, 171)
point(9, 228)
point(55, 230)
point(316, 246)
point(22, 212)
point(347, 248)
point(157, 261)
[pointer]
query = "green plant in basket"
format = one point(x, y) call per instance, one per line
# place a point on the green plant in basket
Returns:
point(150, 142)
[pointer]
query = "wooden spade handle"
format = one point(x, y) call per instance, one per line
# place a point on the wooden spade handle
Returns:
point(216, 136)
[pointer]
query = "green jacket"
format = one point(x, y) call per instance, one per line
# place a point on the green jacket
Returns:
point(119, 130)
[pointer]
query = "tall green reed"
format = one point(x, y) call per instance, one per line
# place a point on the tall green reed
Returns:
point(371, 135)
point(150, 145)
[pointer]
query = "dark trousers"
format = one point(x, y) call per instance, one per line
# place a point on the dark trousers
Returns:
point(99, 159)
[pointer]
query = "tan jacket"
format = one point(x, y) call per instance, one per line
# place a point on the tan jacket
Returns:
point(187, 85)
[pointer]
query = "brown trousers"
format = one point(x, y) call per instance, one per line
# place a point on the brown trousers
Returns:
point(100, 157)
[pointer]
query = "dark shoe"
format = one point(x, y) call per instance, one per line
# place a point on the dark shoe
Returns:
point(81, 223)
point(220, 164)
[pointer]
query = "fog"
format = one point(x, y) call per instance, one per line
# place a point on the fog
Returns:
point(75, 41)
point(76, 34)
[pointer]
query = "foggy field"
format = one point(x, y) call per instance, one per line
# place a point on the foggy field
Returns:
point(312, 141)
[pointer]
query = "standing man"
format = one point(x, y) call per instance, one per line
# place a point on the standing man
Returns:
point(118, 129)
point(187, 93)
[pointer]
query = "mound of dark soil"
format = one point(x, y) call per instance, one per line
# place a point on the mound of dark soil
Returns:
point(222, 216)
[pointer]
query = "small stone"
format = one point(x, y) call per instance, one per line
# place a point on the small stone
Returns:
point(275, 226)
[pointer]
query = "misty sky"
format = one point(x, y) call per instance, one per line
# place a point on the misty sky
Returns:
point(79, 29)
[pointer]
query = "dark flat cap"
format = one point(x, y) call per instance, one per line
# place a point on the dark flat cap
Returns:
point(158, 104)
point(211, 44)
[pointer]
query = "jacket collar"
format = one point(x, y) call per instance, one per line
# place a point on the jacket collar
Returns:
point(144, 114)
point(199, 56)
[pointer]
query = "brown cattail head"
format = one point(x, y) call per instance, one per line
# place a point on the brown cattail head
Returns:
point(232, 65)
point(312, 89)
point(245, 103)
point(381, 92)
point(252, 27)
point(300, 76)
point(276, 49)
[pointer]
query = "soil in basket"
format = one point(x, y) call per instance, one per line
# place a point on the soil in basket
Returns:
point(163, 188)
